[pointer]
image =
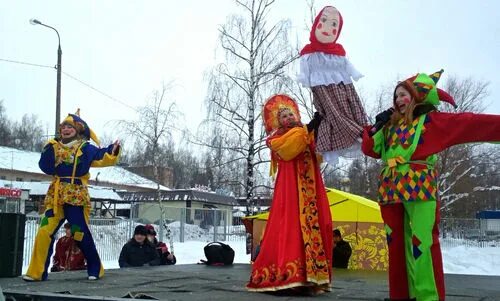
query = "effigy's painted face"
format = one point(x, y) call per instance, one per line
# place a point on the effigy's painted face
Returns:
point(403, 99)
point(327, 29)
point(287, 118)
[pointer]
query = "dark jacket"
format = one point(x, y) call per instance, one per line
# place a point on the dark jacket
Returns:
point(134, 254)
point(163, 256)
point(341, 253)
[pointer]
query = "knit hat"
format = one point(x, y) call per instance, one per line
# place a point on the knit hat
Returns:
point(150, 229)
point(425, 86)
point(80, 125)
point(274, 106)
point(140, 230)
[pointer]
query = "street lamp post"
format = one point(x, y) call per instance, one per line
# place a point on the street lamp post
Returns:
point(58, 91)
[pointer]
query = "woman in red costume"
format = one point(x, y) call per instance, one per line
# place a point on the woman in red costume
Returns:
point(296, 249)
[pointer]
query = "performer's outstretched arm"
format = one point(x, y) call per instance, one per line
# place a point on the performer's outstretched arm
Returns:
point(102, 157)
point(448, 129)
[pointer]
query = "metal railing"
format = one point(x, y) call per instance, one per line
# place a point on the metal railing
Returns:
point(208, 225)
point(110, 234)
point(479, 233)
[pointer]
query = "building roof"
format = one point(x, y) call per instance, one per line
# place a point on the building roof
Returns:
point(488, 214)
point(27, 161)
point(179, 195)
point(40, 189)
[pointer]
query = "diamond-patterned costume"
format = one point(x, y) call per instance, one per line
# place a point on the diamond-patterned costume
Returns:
point(408, 194)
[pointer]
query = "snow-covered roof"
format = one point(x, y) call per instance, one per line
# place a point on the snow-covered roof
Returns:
point(179, 195)
point(117, 205)
point(40, 188)
point(26, 161)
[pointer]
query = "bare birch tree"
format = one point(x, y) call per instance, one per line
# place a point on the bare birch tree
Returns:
point(256, 54)
point(152, 131)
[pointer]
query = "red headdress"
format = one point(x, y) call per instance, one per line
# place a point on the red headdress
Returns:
point(272, 108)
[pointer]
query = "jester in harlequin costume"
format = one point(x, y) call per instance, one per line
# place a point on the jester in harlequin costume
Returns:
point(296, 249)
point(413, 134)
point(325, 68)
point(68, 159)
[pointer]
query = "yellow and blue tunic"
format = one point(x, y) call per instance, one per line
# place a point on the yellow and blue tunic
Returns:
point(68, 199)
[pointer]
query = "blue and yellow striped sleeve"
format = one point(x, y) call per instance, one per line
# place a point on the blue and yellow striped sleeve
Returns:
point(102, 157)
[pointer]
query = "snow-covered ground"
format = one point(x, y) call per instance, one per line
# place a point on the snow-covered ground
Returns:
point(471, 260)
point(457, 258)
point(192, 251)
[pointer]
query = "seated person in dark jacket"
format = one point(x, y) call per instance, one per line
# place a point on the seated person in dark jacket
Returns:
point(341, 251)
point(138, 251)
point(166, 258)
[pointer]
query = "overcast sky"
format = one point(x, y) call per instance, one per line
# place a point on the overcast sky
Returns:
point(127, 49)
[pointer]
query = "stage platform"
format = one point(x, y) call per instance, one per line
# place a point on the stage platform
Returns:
point(200, 282)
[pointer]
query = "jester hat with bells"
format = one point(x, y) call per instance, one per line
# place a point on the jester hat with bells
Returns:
point(81, 127)
point(271, 114)
point(428, 93)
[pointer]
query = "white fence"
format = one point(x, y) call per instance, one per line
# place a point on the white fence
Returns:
point(469, 232)
point(111, 234)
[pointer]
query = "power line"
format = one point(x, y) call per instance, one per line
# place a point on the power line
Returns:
point(99, 91)
point(81, 82)
point(73, 78)
point(109, 96)
point(26, 63)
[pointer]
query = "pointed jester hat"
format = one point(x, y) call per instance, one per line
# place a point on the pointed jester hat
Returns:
point(274, 106)
point(81, 126)
point(425, 86)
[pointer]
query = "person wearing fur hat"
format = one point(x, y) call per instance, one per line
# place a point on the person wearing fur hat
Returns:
point(296, 249)
point(325, 68)
point(407, 138)
point(68, 159)
point(166, 257)
point(138, 251)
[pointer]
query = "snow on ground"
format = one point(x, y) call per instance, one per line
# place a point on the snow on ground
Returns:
point(471, 260)
point(191, 252)
point(457, 257)
point(456, 260)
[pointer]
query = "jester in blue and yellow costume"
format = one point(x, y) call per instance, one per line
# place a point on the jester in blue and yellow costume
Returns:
point(408, 144)
point(68, 159)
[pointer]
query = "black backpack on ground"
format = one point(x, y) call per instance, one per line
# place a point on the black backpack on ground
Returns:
point(218, 253)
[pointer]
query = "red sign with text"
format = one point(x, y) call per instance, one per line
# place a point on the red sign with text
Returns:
point(10, 192)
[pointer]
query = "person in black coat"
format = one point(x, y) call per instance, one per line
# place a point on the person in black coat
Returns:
point(341, 251)
point(166, 257)
point(138, 251)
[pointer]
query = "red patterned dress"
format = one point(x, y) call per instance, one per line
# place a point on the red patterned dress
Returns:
point(296, 249)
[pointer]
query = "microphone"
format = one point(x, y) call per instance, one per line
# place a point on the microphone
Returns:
point(381, 120)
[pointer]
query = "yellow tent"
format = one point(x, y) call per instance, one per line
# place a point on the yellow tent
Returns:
point(359, 221)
